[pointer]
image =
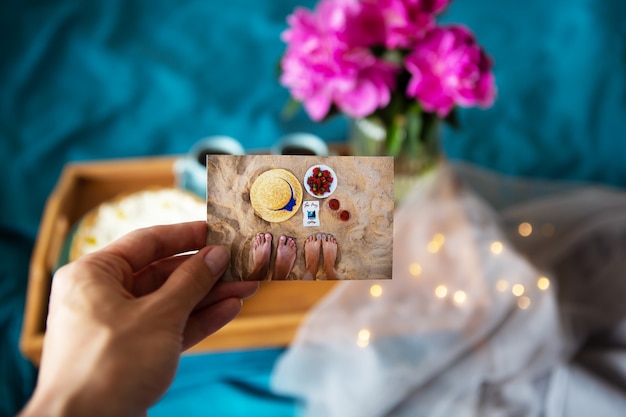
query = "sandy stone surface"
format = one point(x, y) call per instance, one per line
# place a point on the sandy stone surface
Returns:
point(364, 188)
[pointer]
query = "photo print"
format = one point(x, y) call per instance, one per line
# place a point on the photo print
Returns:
point(302, 218)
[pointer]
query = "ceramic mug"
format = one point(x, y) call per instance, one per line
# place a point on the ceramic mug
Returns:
point(300, 144)
point(190, 170)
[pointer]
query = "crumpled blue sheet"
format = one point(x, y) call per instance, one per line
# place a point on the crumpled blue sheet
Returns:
point(560, 69)
point(131, 78)
point(225, 384)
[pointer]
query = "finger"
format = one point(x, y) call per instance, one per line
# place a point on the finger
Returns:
point(207, 321)
point(192, 281)
point(144, 246)
point(152, 277)
point(223, 290)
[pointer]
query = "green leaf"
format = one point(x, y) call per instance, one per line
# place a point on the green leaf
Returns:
point(290, 109)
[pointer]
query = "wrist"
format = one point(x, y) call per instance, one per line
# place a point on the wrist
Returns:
point(58, 403)
point(49, 405)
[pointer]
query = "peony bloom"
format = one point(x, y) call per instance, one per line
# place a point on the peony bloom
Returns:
point(327, 62)
point(406, 21)
point(449, 68)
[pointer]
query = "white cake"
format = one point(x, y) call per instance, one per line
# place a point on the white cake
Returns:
point(115, 218)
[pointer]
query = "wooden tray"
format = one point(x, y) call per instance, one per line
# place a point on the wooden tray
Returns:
point(269, 319)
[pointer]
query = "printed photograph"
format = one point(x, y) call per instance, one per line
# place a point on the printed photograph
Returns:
point(302, 218)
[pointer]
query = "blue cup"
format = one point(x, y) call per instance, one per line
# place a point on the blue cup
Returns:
point(190, 170)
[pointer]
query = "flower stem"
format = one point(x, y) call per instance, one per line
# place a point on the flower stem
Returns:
point(396, 135)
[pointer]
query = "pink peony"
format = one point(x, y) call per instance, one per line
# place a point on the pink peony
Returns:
point(449, 68)
point(406, 21)
point(327, 61)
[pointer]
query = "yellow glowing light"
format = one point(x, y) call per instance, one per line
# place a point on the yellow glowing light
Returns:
point(441, 291)
point(415, 269)
point(543, 283)
point(523, 302)
point(459, 297)
point(364, 335)
point(525, 229)
point(502, 285)
point(517, 290)
point(497, 247)
point(376, 290)
point(547, 230)
point(439, 238)
point(433, 247)
point(362, 343)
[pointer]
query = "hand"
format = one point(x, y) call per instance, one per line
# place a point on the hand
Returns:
point(119, 319)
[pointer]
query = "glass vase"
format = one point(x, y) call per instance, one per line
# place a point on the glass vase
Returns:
point(416, 151)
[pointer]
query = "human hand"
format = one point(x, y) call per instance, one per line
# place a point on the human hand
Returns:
point(119, 319)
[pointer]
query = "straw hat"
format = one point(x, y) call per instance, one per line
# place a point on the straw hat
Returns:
point(276, 195)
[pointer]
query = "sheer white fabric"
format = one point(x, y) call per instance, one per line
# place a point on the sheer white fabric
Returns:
point(497, 284)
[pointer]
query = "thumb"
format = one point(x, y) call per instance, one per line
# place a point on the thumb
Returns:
point(193, 279)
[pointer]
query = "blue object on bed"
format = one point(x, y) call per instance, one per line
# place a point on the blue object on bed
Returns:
point(129, 78)
point(230, 384)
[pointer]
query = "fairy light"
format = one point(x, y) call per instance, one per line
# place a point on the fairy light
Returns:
point(525, 229)
point(502, 285)
point(517, 290)
point(362, 343)
point(459, 297)
point(543, 283)
point(376, 290)
point(415, 269)
point(433, 247)
point(363, 339)
point(496, 247)
point(436, 243)
point(523, 302)
point(441, 291)
point(439, 238)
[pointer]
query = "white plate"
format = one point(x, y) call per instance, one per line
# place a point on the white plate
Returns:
point(322, 167)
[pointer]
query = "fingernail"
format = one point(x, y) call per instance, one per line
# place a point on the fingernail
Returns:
point(216, 260)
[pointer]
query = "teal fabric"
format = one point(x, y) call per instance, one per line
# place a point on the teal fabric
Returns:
point(560, 68)
point(228, 384)
point(82, 80)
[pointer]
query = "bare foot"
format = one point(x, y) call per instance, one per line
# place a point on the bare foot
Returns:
point(285, 257)
point(312, 246)
point(261, 251)
point(329, 250)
